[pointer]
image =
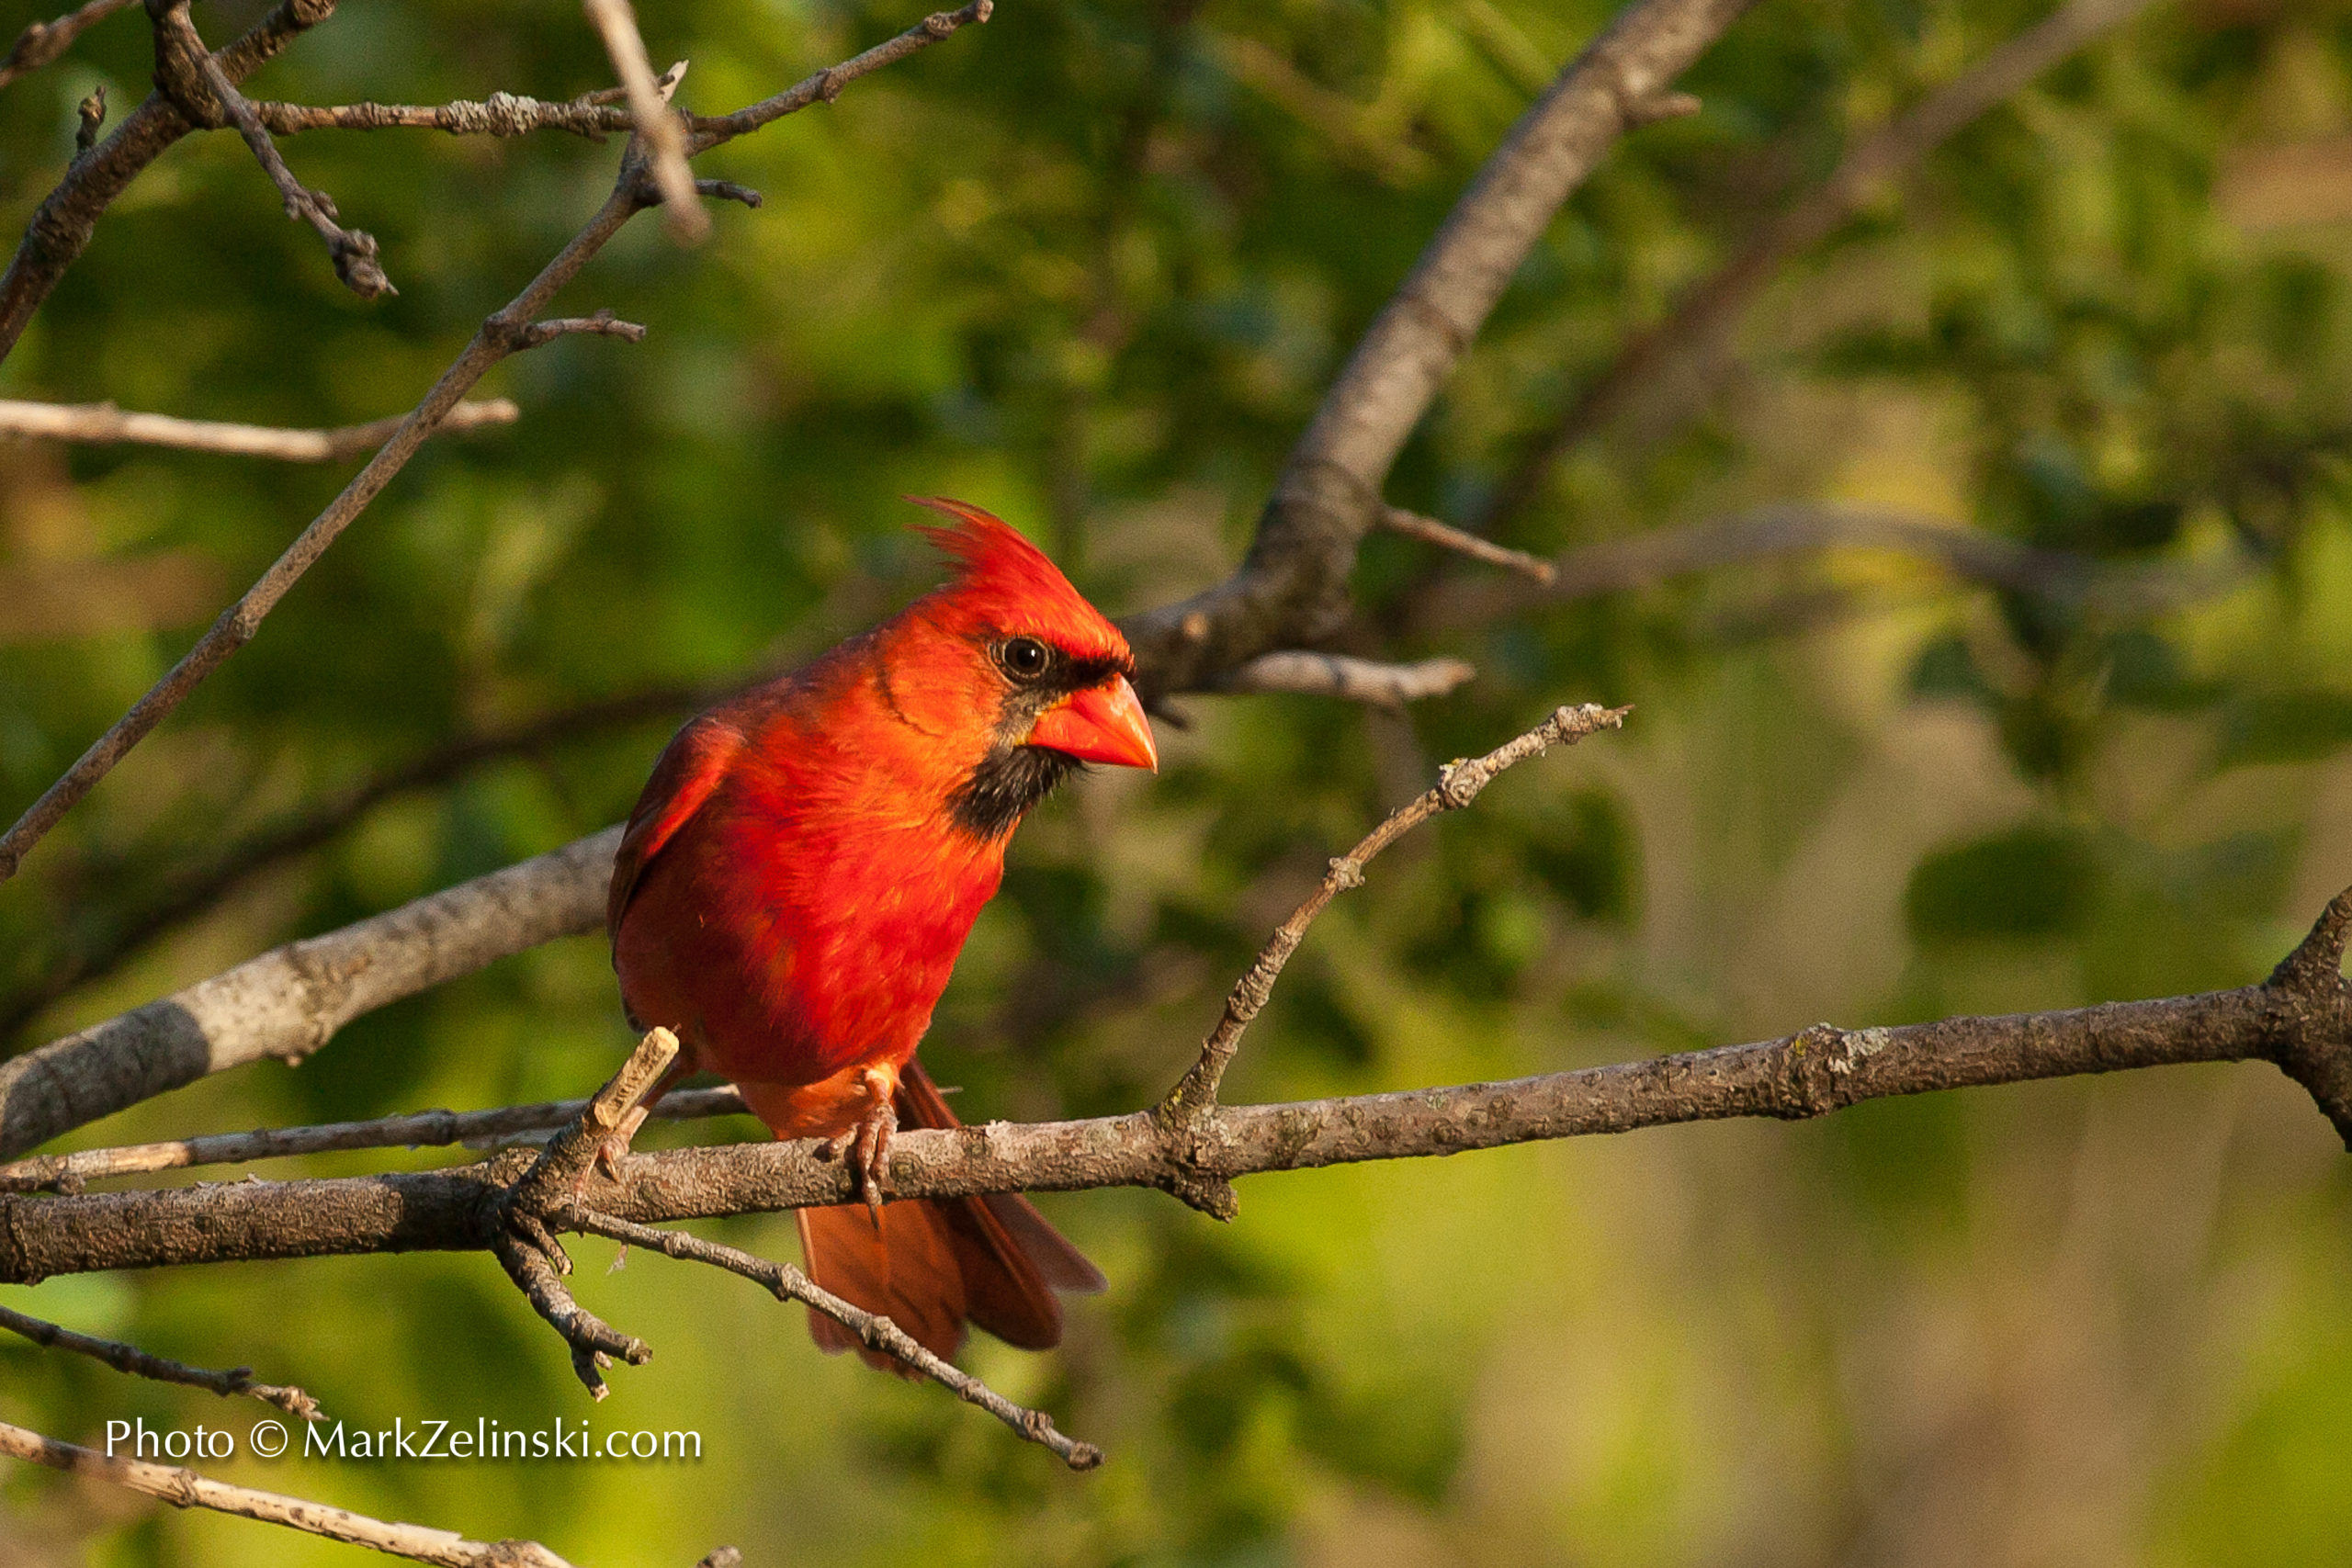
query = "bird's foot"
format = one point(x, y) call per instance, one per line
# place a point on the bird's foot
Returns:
point(616, 1146)
point(866, 1147)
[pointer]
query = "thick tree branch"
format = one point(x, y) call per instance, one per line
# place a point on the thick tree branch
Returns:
point(42, 43)
point(140, 1363)
point(290, 1001)
point(186, 1489)
point(2302, 1022)
point(1710, 308)
point(103, 424)
point(1293, 587)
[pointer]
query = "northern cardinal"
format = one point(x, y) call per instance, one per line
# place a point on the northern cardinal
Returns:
point(803, 868)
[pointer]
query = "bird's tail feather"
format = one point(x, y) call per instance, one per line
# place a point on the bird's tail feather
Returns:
point(935, 1264)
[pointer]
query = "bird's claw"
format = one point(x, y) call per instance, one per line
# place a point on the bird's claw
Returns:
point(616, 1146)
point(867, 1149)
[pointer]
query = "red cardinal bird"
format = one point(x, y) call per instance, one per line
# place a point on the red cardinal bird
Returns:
point(803, 868)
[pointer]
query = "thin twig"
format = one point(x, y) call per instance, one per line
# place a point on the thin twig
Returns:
point(824, 87)
point(353, 251)
point(140, 1363)
point(1458, 785)
point(524, 1240)
point(877, 1332)
point(42, 43)
point(416, 1130)
point(1710, 308)
point(186, 1489)
point(63, 224)
point(1397, 520)
point(648, 107)
point(1349, 679)
point(105, 424)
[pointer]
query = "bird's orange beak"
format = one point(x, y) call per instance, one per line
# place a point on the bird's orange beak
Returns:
point(1099, 724)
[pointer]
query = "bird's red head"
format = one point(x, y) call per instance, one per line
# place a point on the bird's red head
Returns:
point(1048, 669)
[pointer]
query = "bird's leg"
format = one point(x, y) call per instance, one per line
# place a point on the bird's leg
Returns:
point(867, 1145)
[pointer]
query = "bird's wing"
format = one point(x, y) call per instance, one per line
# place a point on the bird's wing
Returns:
point(698, 757)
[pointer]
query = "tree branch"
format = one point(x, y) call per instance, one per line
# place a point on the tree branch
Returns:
point(416, 1130)
point(1293, 587)
point(1347, 678)
point(61, 227)
point(105, 424)
point(290, 1001)
point(2300, 1020)
point(876, 1332)
point(1186, 1108)
point(182, 64)
point(139, 1363)
point(1412, 524)
point(42, 43)
point(186, 1489)
point(1709, 308)
point(187, 893)
point(665, 144)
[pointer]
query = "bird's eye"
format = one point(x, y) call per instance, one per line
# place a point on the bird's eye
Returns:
point(1024, 657)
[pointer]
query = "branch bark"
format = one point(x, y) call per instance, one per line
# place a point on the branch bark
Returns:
point(159, 1369)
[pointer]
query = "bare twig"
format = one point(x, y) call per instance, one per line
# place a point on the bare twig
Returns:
point(648, 106)
point(421, 1129)
point(1349, 679)
point(61, 227)
point(104, 424)
point(42, 43)
point(1397, 520)
point(1185, 1106)
point(186, 1489)
point(90, 118)
point(826, 84)
point(1710, 308)
point(140, 1363)
point(180, 56)
point(524, 1241)
point(876, 1332)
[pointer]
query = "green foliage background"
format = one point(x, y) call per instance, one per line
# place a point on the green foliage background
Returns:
point(1092, 266)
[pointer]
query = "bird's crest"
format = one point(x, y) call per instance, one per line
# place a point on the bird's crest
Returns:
point(1000, 575)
